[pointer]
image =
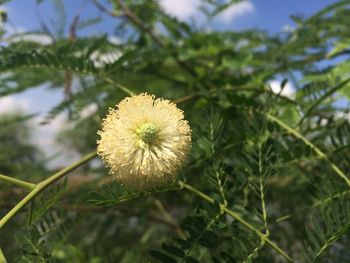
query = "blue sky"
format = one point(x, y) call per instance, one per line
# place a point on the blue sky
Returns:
point(268, 15)
point(272, 15)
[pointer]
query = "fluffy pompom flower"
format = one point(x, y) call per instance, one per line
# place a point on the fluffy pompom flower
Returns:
point(144, 141)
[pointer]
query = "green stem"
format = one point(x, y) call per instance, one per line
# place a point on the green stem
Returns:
point(2, 257)
point(43, 185)
point(81, 72)
point(262, 194)
point(123, 88)
point(18, 182)
point(238, 218)
point(312, 146)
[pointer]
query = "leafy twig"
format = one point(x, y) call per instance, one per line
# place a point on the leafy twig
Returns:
point(312, 146)
point(45, 184)
point(238, 218)
point(325, 96)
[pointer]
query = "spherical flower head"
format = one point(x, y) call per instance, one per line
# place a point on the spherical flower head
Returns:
point(144, 141)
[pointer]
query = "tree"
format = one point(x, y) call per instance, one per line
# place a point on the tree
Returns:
point(267, 179)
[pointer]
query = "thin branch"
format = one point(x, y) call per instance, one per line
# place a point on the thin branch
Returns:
point(262, 194)
point(18, 182)
point(185, 98)
point(42, 23)
point(168, 217)
point(123, 88)
point(311, 145)
point(330, 241)
point(81, 72)
point(138, 22)
point(75, 22)
point(323, 97)
point(72, 37)
point(237, 217)
point(45, 184)
point(104, 9)
point(211, 222)
point(2, 257)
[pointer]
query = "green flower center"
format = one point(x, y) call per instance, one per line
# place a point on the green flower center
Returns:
point(148, 132)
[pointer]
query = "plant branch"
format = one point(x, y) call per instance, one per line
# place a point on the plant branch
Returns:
point(80, 72)
point(237, 217)
point(330, 241)
point(185, 98)
point(211, 222)
point(324, 97)
point(168, 218)
point(104, 9)
point(45, 184)
point(262, 194)
point(123, 88)
point(311, 145)
point(2, 257)
point(138, 22)
point(42, 22)
point(18, 182)
point(38, 188)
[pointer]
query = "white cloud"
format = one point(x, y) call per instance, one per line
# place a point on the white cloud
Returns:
point(45, 137)
point(182, 9)
point(10, 104)
point(185, 9)
point(38, 38)
point(16, 33)
point(46, 133)
point(288, 90)
point(88, 110)
point(236, 10)
point(115, 40)
point(288, 28)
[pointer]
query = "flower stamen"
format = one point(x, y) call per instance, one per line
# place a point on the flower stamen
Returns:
point(148, 133)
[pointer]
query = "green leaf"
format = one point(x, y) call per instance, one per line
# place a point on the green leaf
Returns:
point(162, 257)
point(339, 46)
point(173, 250)
point(191, 260)
point(209, 239)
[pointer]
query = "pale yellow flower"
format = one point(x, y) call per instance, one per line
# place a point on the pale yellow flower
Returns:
point(144, 141)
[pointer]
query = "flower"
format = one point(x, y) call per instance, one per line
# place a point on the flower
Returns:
point(144, 141)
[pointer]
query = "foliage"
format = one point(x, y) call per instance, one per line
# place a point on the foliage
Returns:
point(267, 179)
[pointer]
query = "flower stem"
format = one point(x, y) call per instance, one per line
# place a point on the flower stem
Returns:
point(18, 182)
point(2, 257)
point(44, 184)
point(238, 218)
